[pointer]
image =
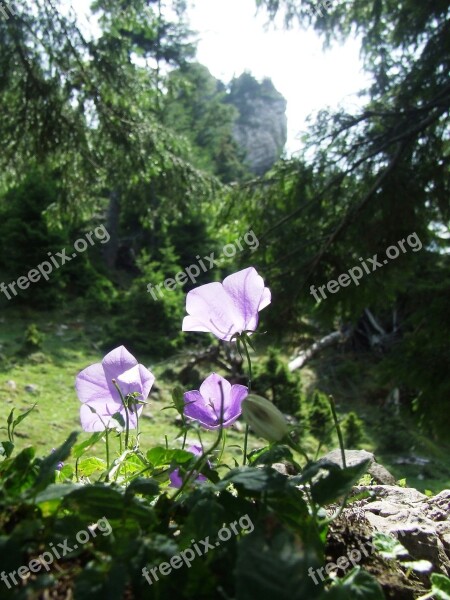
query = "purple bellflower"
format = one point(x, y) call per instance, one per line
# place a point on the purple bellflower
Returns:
point(228, 308)
point(95, 388)
point(176, 480)
point(204, 405)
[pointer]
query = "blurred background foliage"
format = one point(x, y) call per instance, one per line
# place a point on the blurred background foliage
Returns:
point(128, 130)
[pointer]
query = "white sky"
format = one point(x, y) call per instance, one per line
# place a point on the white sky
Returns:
point(233, 39)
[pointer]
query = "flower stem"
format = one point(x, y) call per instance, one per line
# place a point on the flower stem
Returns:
point(107, 448)
point(290, 442)
point(127, 415)
point(204, 457)
point(338, 429)
point(249, 362)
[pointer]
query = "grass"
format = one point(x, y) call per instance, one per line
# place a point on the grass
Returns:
point(390, 436)
point(71, 343)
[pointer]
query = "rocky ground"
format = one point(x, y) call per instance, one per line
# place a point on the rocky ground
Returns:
point(419, 523)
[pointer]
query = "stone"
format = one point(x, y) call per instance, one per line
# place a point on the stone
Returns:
point(420, 523)
point(353, 457)
point(261, 126)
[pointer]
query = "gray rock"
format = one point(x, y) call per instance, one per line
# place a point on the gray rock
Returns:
point(31, 388)
point(281, 468)
point(420, 523)
point(353, 457)
point(261, 127)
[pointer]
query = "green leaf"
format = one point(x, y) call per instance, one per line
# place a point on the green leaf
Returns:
point(421, 566)
point(88, 466)
point(97, 501)
point(66, 472)
point(274, 565)
point(145, 486)
point(80, 449)
point(255, 480)
point(48, 466)
point(56, 491)
point(160, 456)
point(6, 449)
point(337, 483)
point(206, 517)
point(10, 418)
point(22, 416)
point(388, 546)
point(311, 470)
point(440, 586)
point(270, 454)
point(356, 585)
point(119, 418)
point(18, 474)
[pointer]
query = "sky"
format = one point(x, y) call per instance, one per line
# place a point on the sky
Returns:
point(233, 38)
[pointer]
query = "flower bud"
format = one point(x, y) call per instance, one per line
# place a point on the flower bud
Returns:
point(264, 418)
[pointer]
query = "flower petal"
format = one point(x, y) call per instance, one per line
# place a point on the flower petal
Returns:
point(266, 299)
point(91, 385)
point(234, 409)
point(130, 381)
point(147, 381)
point(213, 310)
point(196, 449)
point(246, 290)
point(210, 390)
point(91, 421)
point(117, 362)
point(175, 479)
point(197, 409)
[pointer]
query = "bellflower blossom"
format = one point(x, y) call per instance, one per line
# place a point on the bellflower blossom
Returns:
point(204, 405)
point(176, 480)
point(95, 388)
point(228, 308)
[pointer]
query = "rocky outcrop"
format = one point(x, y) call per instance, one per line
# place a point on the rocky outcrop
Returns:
point(420, 523)
point(353, 457)
point(261, 127)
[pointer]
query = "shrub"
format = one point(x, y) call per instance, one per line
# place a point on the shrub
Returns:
point(352, 429)
point(143, 323)
point(274, 380)
point(319, 417)
point(32, 340)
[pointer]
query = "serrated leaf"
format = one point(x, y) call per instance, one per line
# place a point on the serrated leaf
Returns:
point(88, 466)
point(337, 483)
point(92, 502)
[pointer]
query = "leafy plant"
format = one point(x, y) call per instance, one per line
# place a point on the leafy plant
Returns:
point(352, 428)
